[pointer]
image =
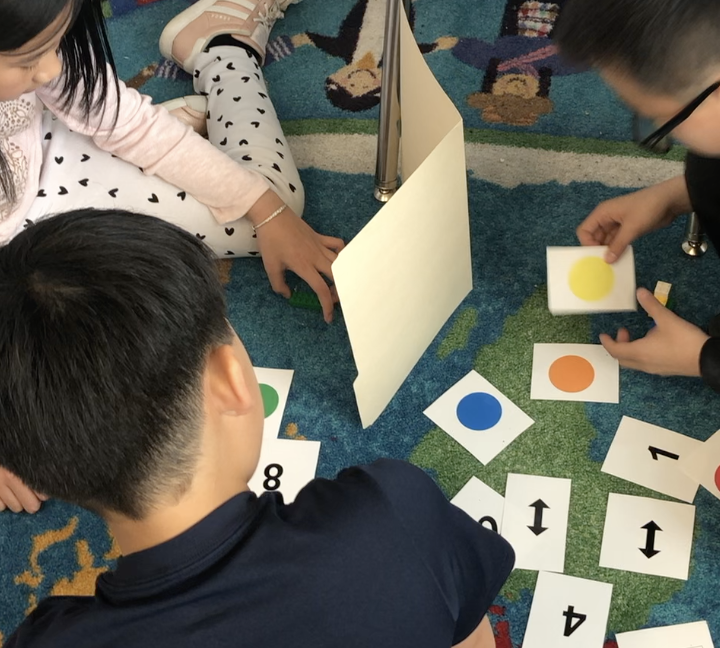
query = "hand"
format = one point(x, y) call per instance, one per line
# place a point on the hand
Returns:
point(671, 348)
point(618, 222)
point(16, 496)
point(288, 243)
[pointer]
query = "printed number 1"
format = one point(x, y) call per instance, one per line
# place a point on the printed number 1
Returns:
point(571, 616)
point(272, 483)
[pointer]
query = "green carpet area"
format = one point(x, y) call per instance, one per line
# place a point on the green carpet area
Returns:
point(536, 167)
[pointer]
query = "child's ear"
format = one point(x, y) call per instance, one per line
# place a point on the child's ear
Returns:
point(227, 388)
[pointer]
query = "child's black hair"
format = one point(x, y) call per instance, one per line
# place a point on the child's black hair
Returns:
point(668, 46)
point(85, 53)
point(106, 322)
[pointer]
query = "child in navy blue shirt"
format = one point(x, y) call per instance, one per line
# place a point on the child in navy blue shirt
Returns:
point(125, 390)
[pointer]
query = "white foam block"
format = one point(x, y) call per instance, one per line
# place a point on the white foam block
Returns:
point(535, 520)
point(568, 612)
point(649, 455)
point(579, 281)
point(285, 466)
point(685, 635)
point(648, 536)
point(574, 372)
point(481, 503)
point(479, 417)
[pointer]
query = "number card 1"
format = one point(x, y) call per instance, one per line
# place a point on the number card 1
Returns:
point(685, 635)
point(285, 466)
point(481, 503)
point(568, 612)
point(649, 455)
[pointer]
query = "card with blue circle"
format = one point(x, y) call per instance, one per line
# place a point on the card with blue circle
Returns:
point(479, 417)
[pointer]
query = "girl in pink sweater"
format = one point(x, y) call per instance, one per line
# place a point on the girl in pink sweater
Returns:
point(72, 135)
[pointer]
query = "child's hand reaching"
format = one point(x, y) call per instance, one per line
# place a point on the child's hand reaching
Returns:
point(671, 348)
point(289, 243)
point(16, 496)
point(618, 222)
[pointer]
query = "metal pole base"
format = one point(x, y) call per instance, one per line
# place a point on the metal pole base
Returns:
point(694, 244)
point(383, 194)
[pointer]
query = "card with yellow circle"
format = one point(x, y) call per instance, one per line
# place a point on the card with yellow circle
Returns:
point(580, 281)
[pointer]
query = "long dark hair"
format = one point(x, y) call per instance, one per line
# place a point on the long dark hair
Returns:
point(85, 52)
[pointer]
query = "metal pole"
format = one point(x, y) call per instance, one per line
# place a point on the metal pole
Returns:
point(694, 244)
point(388, 149)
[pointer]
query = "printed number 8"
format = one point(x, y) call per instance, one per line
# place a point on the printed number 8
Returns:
point(272, 483)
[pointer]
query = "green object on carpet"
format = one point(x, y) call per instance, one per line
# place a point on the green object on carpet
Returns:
point(459, 335)
point(305, 299)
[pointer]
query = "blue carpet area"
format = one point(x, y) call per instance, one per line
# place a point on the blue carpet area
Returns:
point(61, 550)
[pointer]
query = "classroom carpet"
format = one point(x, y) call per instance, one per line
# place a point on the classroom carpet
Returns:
point(539, 159)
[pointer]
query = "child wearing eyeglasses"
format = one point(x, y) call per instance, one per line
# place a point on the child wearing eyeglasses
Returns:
point(662, 59)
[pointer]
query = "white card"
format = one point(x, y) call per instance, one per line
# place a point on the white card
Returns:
point(286, 466)
point(479, 417)
point(574, 372)
point(648, 536)
point(481, 503)
point(535, 520)
point(579, 281)
point(686, 635)
point(568, 612)
point(275, 387)
point(649, 455)
point(703, 465)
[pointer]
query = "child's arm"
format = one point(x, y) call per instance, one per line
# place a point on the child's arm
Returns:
point(149, 137)
point(618, 222)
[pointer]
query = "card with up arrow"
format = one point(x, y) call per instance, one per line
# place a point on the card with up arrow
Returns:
point(535, 520)
point(648, 536)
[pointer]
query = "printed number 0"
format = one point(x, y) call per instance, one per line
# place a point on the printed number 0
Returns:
point(272, 483)
point(490, 522)
point(571, 616)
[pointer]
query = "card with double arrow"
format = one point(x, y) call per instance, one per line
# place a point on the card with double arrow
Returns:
point(648, 536)
point(650, 456)
point(535, 520)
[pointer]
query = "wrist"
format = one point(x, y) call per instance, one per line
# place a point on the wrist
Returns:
point(677, 196)
point(267, 204)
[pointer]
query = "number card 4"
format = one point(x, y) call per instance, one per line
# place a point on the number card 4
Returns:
point(649, 455)
point(481, 503)
point(285, 466)
point(568, 612)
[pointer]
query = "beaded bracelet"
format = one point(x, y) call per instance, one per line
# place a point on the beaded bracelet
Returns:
point(277, 212)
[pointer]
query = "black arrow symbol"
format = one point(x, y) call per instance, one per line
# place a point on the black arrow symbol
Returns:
point(537, 528)
point(657, 452)
point(649, 549)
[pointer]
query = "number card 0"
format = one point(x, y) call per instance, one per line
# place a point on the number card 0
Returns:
point(285, 466)
point(568, 612)
point(481, 503)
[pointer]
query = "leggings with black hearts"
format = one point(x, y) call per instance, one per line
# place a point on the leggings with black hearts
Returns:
point(241, 121)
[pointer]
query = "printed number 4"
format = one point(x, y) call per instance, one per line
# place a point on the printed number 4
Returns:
point(571, 616)
point(272, 483)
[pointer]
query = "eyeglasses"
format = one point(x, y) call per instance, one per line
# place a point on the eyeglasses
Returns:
point(654, 142)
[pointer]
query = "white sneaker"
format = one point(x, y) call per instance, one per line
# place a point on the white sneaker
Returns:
point(250, 21)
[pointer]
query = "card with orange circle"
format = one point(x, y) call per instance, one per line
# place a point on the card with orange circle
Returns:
point(574, 372)
point(580, 281)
